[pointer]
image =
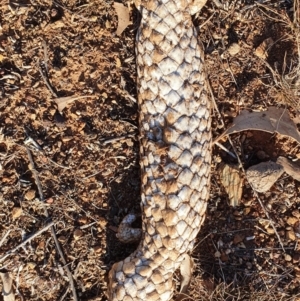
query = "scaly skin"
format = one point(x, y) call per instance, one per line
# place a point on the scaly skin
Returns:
point(175, 149)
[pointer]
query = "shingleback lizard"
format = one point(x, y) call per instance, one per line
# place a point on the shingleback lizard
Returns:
point(175, 149)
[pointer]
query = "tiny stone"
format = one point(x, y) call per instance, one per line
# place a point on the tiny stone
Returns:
point(287, 257)
point(16, 212)
point(269, 206)
point(234, 49)
point(83, 220)
point(297, 229)
point(270, 230)
point(296, 213)
point(292, 220)
point(261, 155)
point(296, 257)
point(236, 213)
point(241, 245)
point(247, 210)
point(77, 234)
point(290, 235)
point(62, 238)
point(97, 249)
point(238, 238)
point(31, 265)
point(217, 254)
point(30, 195)
point(224, 257)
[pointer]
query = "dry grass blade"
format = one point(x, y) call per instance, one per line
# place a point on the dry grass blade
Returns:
point(287, 84)
point(38, 183)
point(22, 244)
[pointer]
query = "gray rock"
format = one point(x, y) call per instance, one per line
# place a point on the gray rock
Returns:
point(263, 175)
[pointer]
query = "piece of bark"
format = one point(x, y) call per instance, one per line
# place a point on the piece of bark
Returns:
point(232, 181)
point(290, 167)
point(7, 290)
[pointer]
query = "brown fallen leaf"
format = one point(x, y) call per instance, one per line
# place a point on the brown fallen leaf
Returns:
point(7, 289)
point(273, 120)
point(62, 102)
point(262, 50)
point(123, 17)
point(233, 183)
point(186, 270)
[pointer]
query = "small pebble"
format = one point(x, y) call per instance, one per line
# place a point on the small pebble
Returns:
point(290, 235)
point(270, 230)
point(234, 49)
point(77, 234)
point(30, 195)
point(261, 155)
point(287, 257)
point(292, 220)
point(16, 212)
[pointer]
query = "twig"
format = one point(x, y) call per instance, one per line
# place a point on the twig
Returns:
point(46, 57)
point(47, 82)
point(117, 139)
point(225, 150)
point(18, 282)
point(4, 237)
point(58, 248)
point(35, 174)
point(23, 243)
point(64, 294)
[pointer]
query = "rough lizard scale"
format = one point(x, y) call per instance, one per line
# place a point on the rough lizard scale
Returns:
point(175, 149)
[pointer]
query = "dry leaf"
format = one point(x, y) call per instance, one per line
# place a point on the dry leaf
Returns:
point(233, 183)
point(290, 167)
point(262, 50)
point(272, 120)
point(186, 269)
point(7, 289)
point(62, 102)
point(123, 17)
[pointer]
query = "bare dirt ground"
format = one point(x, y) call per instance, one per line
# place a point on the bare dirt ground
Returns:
point(86, 156)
